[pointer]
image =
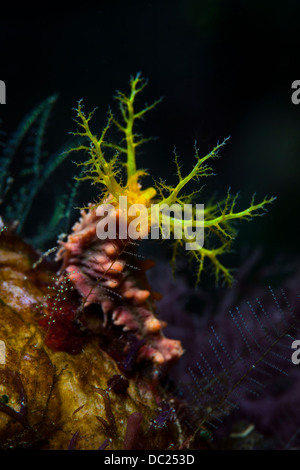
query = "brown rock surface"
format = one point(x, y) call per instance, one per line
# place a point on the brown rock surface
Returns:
point(46, 396)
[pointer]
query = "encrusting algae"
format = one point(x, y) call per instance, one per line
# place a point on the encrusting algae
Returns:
point(85, 351)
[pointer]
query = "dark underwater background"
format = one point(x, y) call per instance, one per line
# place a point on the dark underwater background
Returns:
point(224, 68)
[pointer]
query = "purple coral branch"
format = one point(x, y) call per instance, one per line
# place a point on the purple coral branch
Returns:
point(20, 416)
point(73, 441)
point(104, 445)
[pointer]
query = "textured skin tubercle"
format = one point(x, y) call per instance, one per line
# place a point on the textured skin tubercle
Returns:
point(109, 273)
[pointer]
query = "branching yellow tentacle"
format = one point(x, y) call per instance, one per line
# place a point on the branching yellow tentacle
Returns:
point(218, 220)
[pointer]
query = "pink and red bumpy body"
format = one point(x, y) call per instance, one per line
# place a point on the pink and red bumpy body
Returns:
point(109, 273)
